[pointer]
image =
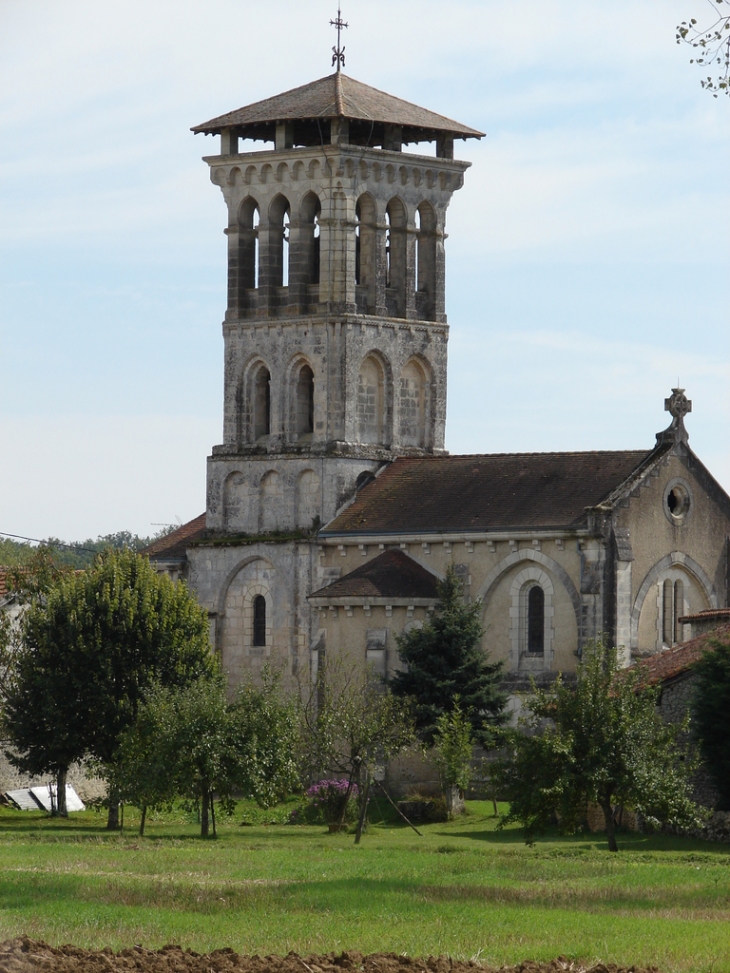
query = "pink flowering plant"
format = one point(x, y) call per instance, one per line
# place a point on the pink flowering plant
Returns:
point(324, 801)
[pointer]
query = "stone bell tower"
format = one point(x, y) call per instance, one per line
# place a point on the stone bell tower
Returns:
point(335, 331)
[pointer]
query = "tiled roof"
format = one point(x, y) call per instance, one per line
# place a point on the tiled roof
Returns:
point(336, 96)
point(718, 615)
point(489, 492)
point(391, 574)
point(172, 546)
point(673, 662)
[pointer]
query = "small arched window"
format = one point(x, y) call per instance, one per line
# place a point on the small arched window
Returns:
point(536, 620)
point(278, 257)
point(305, 401)
point(309, 237)
point(248, 248)
point(261, 402)
point(259, 621)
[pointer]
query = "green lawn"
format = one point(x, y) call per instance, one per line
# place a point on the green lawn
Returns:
point(463, 889)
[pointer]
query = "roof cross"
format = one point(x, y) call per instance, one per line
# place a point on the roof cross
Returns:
point(338, 56)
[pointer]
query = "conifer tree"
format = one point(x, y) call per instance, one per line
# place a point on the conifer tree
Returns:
point(445, 666)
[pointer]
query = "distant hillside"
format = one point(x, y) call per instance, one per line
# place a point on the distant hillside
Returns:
point(77, 554)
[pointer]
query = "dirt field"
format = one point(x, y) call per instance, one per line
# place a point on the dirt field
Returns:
point(23, 955)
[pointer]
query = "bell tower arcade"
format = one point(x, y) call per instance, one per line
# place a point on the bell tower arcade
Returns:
point(335, 330)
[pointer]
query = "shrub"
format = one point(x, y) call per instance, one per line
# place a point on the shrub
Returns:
point(324, 802)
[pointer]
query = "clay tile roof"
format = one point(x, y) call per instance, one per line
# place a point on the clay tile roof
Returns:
point(336, 96)
point(172, 546)
point(673, 662)
point(391, 574)
point(3, 582)
point(718, 615)
point(440, 494)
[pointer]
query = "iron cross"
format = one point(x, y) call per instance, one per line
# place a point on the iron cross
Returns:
point(338, 56)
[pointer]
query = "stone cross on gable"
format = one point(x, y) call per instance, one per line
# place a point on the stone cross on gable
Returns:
point(677, 405)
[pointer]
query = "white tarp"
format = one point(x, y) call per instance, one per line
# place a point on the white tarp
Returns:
point(33, 798)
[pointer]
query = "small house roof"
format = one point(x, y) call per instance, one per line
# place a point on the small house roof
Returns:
point(172, 547)
point(673, 662)
point(391, 574)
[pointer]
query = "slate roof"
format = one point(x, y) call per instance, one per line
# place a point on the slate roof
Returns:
point(442, 494)
point(337, 96)
point(172, 547)
point(391, 574)
point(673, 662)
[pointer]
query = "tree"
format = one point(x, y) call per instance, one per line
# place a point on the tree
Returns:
point(454, 745)
point(91, 647)
point(444, 660)
point(351, 723)
point(712, 43)
point(192, 743)
point(602, 742)
point(711, 715)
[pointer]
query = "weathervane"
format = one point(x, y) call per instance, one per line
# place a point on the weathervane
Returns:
point(338, 56)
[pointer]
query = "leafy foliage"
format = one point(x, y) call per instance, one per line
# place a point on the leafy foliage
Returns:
point(602, 742)
point(91, 647)
point(712, 44)
point(325, 801)
point(453, 744)
point(191, 742)
point(351, 723)
point(76, 554)
point(711, 715)
point(444, 660)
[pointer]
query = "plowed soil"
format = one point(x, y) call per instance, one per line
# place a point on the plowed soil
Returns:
point(23, 955)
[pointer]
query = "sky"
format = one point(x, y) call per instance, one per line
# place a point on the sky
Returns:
point(586, 261)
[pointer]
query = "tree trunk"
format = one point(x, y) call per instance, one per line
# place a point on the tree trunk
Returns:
point(363, 811)
point(610, 827)
point(112, 820)
point(61, 809)
point(142, 819)
point(204, 814)
point(212, 814)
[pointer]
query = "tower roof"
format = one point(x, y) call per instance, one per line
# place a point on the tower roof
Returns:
point(337, 96)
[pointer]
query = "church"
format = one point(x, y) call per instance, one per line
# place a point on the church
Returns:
point(332, 507)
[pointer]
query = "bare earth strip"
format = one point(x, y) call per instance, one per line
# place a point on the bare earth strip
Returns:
point(23, 955)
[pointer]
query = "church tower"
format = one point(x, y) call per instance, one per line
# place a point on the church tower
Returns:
point(335, 344)
point(335, 331)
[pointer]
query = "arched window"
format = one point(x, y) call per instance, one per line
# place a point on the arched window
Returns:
point(278, 256)
point(248, 249)
point(309, 239)
point(259, 621)
point(536, 620)
point(672, 611)
point(412, 406)
point(425, 269)
point(371, 426)
point(261, 402)
point(305, 402)
point(395, 257)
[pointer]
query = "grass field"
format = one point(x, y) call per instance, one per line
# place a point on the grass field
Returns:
point(462, 889)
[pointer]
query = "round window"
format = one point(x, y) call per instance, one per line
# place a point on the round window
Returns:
point(676, 501)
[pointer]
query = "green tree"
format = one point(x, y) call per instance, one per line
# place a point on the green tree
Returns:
point(453, 746)
point(711, 715)
point(91, 647)
point(444, 660)
point(192, 743)
point(711, 42)
point(602, 742)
